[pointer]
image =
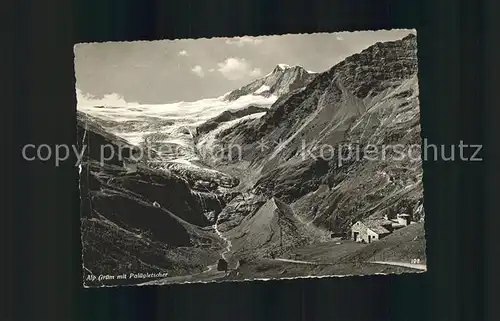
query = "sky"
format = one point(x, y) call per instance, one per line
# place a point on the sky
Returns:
point(167, 71)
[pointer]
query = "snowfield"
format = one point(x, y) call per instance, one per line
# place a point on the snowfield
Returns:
point(192, 113)
point(173, 124)
point(206, 143)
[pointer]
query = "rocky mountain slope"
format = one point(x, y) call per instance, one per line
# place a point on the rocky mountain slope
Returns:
point(143, 220)
point(340, 149)
point(227, 116)
point(270, 231)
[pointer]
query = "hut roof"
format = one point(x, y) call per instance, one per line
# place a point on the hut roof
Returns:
point(379, 230)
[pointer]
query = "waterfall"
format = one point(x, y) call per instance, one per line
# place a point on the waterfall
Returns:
point(201, 196)
point(201, 200)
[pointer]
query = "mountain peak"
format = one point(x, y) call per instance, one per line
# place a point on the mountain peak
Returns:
point(284, 67)
point(282, 79)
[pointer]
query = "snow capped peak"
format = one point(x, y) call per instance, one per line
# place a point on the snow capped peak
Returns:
point(285, 68)
point(282, 79)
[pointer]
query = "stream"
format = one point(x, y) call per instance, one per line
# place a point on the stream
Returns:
point(228, 243)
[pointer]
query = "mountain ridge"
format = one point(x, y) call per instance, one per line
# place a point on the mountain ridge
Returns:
point(281, 80)
point(370, 98)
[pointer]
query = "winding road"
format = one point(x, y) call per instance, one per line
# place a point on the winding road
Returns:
point(422, 267)
point(301, 262)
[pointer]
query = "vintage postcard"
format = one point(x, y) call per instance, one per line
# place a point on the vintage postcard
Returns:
point(250, 158)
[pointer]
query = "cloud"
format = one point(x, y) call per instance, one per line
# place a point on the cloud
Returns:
point(237, 68)
point(198, 70)
point(211, 70)
point(241, 41)
point(340, 38)
point(182, 53)
point(113, 100)
point(256, 72)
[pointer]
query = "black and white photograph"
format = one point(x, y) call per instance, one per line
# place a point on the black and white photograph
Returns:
point(250, 158)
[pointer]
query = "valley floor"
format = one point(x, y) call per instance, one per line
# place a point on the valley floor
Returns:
point(392, 255)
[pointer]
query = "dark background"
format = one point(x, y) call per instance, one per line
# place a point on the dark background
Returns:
point(41, 232)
